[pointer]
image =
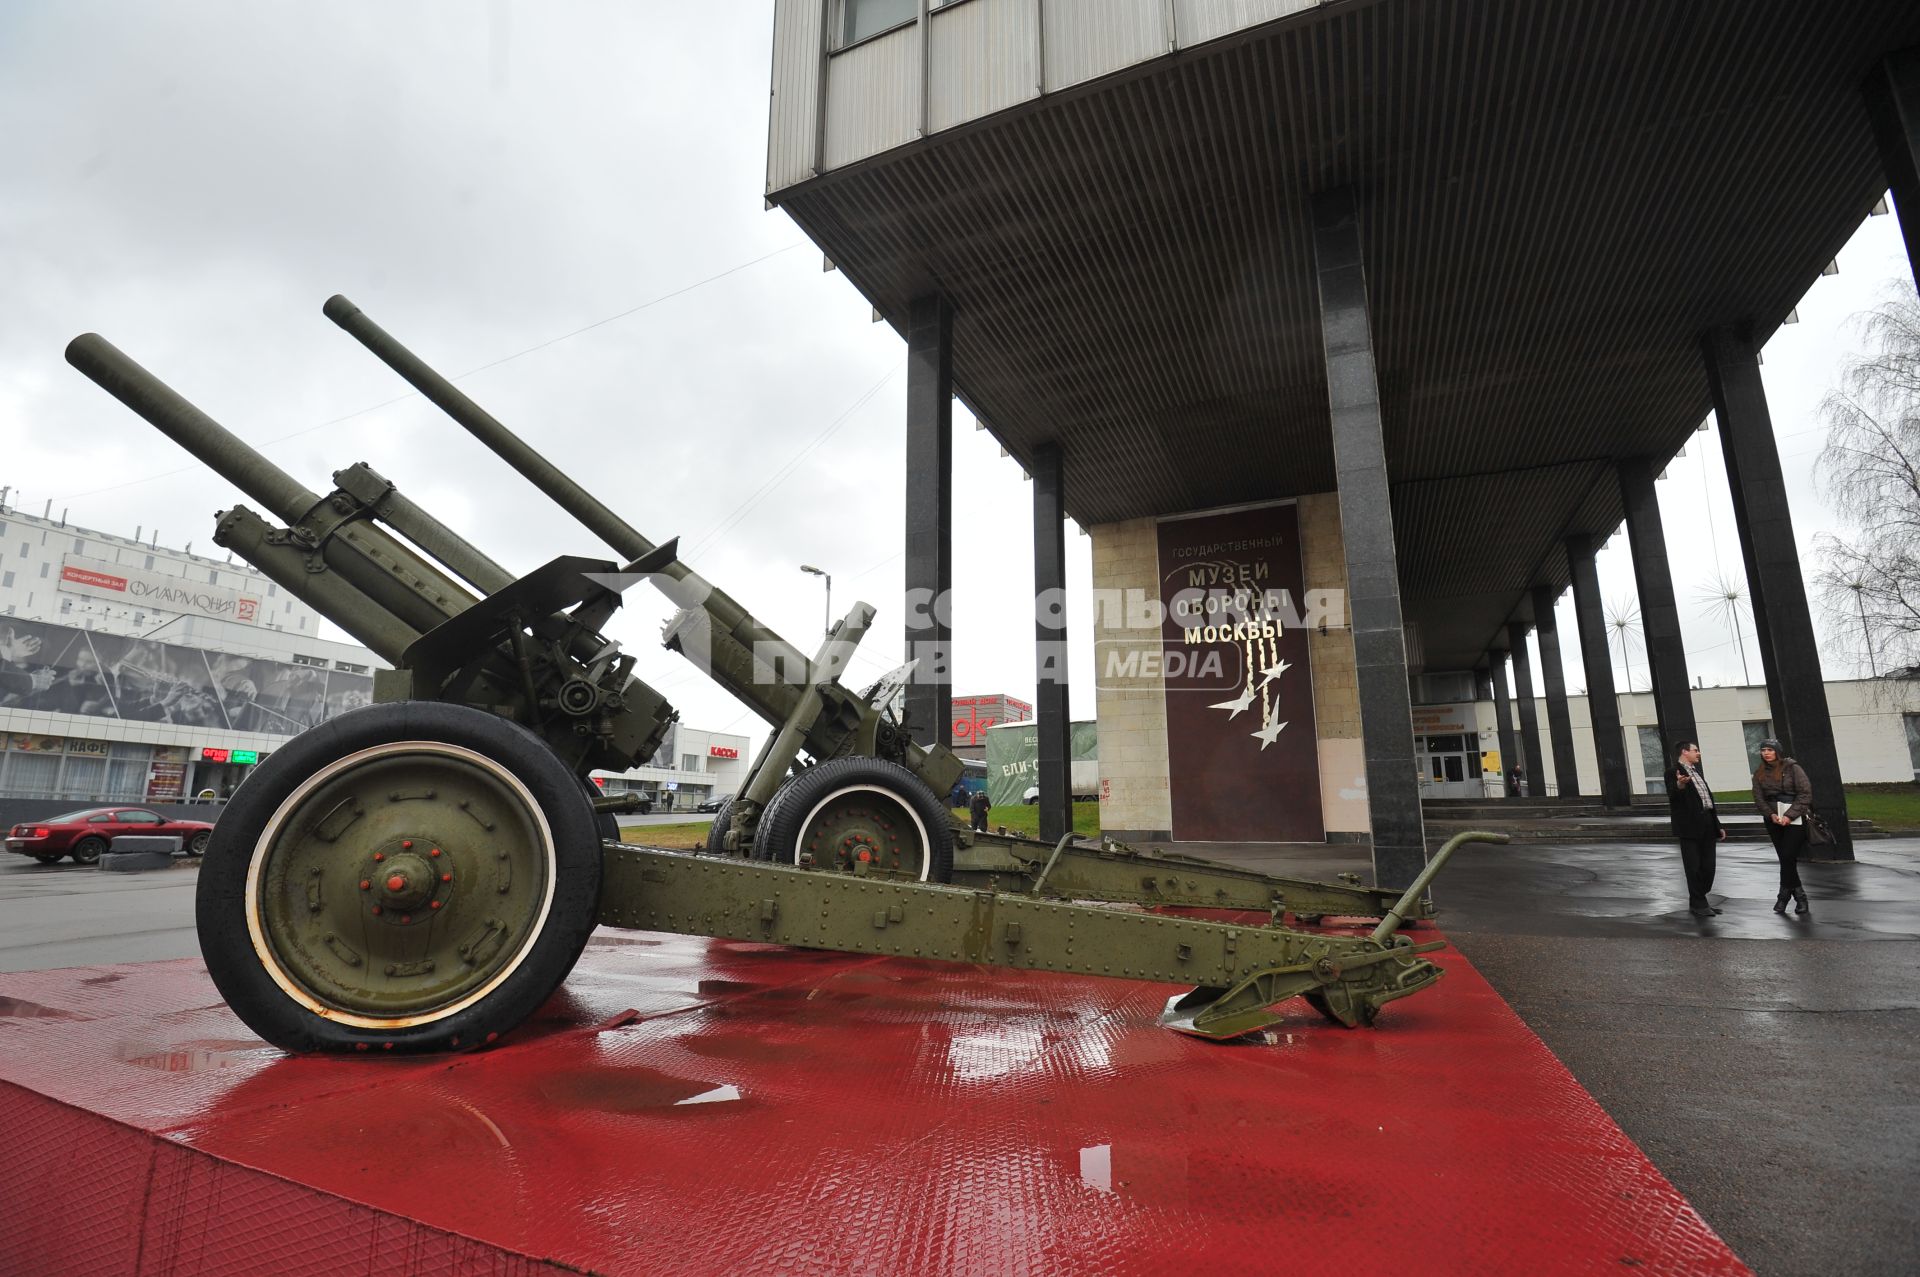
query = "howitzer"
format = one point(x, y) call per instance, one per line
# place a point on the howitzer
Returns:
point(422, 873)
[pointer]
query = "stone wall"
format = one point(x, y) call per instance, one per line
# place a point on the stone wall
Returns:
point(1135, 804)
point(1336, 696)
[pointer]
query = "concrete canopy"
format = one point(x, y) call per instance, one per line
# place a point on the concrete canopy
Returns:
point(1557, 201)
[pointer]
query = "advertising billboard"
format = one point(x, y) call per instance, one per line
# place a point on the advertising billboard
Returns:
point(98, 579)
point(56, 669)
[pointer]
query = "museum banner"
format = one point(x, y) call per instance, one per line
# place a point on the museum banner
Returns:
point(1242, 759)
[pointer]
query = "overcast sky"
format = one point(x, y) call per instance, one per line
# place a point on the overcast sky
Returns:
point(561, 205)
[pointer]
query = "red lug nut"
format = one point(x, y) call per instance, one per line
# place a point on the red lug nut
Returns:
point(365, 885)
point(446, 877)
point(379, 855)
point(396, 883)
point(407, 843)
point(376, 908)
point(433, 904)
point(434, 852)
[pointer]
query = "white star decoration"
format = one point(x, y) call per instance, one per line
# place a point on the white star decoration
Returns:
point(1275, 671)
point(1268, 734)
point(1237, 706)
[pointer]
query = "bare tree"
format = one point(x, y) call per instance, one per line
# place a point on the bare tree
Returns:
point(1869, 579)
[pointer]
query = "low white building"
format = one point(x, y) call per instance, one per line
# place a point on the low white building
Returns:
point(1876, 732)
point(692, 767)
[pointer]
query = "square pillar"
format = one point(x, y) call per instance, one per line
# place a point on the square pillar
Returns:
point(1529, 712)
point(1766, 531)
point(1553, 683)
point(1893, 102)
point(1366, 527)
point(1603, 704)
point(929, 490)
point(1659, 615)
point(1503, 716)
point(1052, 723)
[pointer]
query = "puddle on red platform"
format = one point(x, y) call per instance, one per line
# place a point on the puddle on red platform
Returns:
point(636, 1090)
point(196, 1057)
point(21, 1009)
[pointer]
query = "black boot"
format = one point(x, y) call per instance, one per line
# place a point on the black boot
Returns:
point(1780, 904)
point(1799, 900)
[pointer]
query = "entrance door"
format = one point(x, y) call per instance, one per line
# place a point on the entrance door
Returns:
point(1449, 766)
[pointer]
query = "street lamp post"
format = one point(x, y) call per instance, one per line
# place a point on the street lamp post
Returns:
point(828, 578)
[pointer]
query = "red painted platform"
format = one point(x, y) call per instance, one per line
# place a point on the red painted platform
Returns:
point(693, 1106)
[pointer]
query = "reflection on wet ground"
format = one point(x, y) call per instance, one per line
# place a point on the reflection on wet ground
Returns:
point(21, 1009)
point(1638, 889)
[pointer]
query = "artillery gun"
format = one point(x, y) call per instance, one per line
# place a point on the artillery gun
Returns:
point(422, 873)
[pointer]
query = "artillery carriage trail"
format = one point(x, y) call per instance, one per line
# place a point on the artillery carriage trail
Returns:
point(421, 874)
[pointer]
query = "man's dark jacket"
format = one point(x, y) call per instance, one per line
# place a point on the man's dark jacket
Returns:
point(1692, 819)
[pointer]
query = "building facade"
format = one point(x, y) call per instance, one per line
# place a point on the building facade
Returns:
point(1266, 304)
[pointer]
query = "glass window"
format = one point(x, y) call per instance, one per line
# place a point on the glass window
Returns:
point(103, 818)
point(1455, 768)
point(689, 762)
point(6, 580)
point(1913, 743)
point(149, 563)
point(140, 818)
point(43, 570)
point(1653, 760)
point(213, 576)
point(84, 775)
point(1755, 733)
point(870, 17)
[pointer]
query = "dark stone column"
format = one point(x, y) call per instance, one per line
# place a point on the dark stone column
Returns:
point(1052, 724)
point(1536, 783)
point(1659, 616)
point(1756, 598)
point(1503, 719)
point(1893, 100)
point(1603, 704)
point(1766, 529)
point(930, 519)
point(1366, 526)
point(1553, 683)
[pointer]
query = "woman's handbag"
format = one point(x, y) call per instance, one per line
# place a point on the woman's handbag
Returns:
point(1818, 835)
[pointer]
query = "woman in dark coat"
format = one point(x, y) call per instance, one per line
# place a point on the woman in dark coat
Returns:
point(1783, 794)
point(1696, 823)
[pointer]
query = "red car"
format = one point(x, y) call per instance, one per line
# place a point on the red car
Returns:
point(84, 835)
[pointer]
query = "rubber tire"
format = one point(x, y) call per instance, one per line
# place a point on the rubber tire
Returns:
point(723, 813)
point(779, 831)
point(197, 845)
point(89, 850)
point(220, 906)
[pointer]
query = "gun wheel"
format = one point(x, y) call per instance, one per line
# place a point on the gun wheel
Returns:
point(859, 816)
point(405, 877)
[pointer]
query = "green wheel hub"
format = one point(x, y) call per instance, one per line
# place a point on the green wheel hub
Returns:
point(864, 830)
point(400, 884)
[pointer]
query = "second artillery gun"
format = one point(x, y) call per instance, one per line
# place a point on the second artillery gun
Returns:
point(422, 873)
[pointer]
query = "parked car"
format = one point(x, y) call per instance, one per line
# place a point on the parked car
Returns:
point(85, 834)
point(712, 804)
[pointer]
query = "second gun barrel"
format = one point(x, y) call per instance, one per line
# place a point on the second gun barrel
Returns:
point(210, 442)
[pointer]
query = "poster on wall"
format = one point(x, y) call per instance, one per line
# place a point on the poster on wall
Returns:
point(56, 669)
point(1242, 758)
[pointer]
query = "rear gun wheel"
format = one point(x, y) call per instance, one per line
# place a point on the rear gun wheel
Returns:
point(409, 876)
point(859, 815)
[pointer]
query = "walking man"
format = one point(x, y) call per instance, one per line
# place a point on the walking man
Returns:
point(978, 809)
point(1696, 823)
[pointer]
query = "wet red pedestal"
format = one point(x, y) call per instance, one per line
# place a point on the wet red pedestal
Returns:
point(694, 1106)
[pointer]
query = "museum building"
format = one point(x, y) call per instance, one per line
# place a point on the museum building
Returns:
point(1403, 305)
